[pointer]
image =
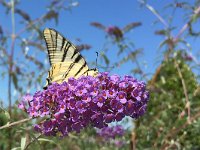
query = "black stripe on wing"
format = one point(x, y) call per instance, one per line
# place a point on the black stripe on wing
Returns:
point(80, 69)
point(77, 60)
point(59, 48)
point(65, 51)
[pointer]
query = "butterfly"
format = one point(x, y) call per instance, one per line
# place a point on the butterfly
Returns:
point(64, 59)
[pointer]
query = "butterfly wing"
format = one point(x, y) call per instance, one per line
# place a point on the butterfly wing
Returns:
point(64, 58)
point(60, 49)
point(60, 72)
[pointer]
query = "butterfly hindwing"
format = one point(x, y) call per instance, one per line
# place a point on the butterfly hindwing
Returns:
point(60, 72)
point(64, 59)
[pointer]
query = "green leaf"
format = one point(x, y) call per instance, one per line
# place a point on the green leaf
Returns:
point(16, 148)
point(163, 79)
point(50, 141)
point(121, 49)
point(73, 136)
point(23, 143)
point(46, 140)
point(160, 32)
point(162, 44)
point(194, 18)
point(186, 44)
point(154, 12)
point(197, 91)
point(130, 26)
point(6, 113)
point(52, 15)
point(105, 59)
point(15, 80)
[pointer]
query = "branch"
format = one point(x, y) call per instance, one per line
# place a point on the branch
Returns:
point(154, 12)
point(187, 105)
point(174, 132)
point(175, 40)
point(35, 139)
point(133, 141)
point(15, 123)
point(197, 11)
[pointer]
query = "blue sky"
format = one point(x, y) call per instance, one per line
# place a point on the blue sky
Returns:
point(76, 24)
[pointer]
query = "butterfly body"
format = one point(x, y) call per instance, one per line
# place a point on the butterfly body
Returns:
point(64, 58)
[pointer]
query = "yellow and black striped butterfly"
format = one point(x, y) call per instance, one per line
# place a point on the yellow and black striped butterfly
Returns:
point(64, 58)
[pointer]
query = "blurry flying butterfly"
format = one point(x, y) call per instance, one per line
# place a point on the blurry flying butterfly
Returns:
point(64, 59)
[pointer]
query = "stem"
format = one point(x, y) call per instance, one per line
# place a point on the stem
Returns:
point(15, 123)
point(13, 16)
point(11, 58)
point(187, 105)
point(175, 40)
point(35, 139)
point(173, 132)
point(10, 69)
point(154, 12)
point(133, 141)
point(183, 29)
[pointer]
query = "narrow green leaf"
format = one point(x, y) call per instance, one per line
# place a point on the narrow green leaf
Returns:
point(23, 143)
point(162, 44)
point(160, 32)
point(16, 148)
point(185, 43)
point(6, 113)
point(15, 80)
point(121, 49)
point(130, 26)
point(194, 18)
point(163, 80)
point(105, 59)
point(50, 141)
point(47, 140)
point(197, 91)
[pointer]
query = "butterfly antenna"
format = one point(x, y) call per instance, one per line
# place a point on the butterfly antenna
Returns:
point(97, 58)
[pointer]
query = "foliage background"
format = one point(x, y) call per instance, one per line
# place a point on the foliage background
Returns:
point(167, 59)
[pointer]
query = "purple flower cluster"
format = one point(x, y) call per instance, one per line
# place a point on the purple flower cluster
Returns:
point(111, 132)
point(187, 57)
point(119, 143)
point(78, 103)
point(114, 31)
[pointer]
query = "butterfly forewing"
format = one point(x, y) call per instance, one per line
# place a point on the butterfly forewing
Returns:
point(64, 59)
point(60, 49)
